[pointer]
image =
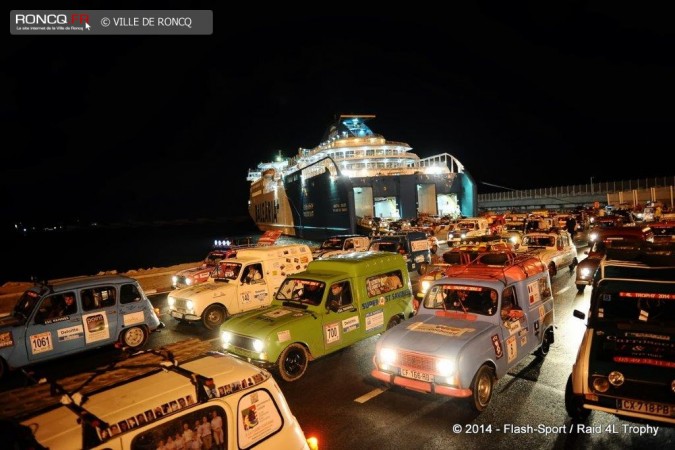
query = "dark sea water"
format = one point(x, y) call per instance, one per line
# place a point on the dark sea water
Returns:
point(58, 254)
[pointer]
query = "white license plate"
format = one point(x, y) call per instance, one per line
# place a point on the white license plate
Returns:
point(658, 409)
point(417, 375)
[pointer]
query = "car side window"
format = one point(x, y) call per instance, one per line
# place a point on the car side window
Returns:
point(56, 306)
point(129, 293)
point(98, 297)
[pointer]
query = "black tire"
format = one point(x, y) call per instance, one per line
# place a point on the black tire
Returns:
point(482, 387)
point(214, 316)
point(545, 343)
point(422, 268)
point(3, 369)
point(434, 249)
point(134, 337)
point(395, 320)
point(293, 362)
point(552, 270)
point(581, 287)
point(574, 403)
point(573, 265)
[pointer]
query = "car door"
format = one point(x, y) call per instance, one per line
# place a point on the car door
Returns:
point(516, 327)
point(53, 330)
point(100, 315)
point(342, 323)
point(254, 291)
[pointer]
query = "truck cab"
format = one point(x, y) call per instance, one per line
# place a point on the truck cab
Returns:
point(240, 284)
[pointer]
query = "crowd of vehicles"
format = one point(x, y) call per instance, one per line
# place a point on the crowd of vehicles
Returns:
point(481, 308)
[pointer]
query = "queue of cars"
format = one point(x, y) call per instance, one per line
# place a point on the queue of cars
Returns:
point(476, 321)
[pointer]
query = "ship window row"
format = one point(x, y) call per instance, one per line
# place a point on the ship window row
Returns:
point(374, 165)
point(369, 152)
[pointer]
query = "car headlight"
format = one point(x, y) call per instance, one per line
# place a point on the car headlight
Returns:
point(445, 367)
point(425, 286)
point(387, 356)
point(174, 279)
point(226, 337)
point(585, 272)
point(257, 345)
point(593, 236)
point(188, 281)
point(600, 384)
point(171, 301)
point(616, 378)
point(190, 304)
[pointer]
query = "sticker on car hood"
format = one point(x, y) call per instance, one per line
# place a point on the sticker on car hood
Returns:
point(439, 329)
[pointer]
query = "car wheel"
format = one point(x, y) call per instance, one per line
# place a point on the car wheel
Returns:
point(573, 265)
point(422, 268)
point(574, 404)
point(134, 337)
point(293, 362)
point(581, 287)
point(434, 249)
point(545, 343)
point(214, 316)
point(481, 388)
point(395, 320)
point(551, 270)
point(3, 369)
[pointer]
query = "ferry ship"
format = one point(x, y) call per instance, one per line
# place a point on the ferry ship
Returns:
point(351, 177)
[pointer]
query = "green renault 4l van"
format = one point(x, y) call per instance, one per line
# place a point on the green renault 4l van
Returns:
point(336, 302)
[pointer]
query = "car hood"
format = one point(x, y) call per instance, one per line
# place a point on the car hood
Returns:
point(261, 323)
point(200, 289)
point(194, 271)
point(9, 321)
point(641, 353)
point(434, 334)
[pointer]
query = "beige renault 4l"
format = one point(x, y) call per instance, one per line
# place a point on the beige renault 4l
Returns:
point(211, 401)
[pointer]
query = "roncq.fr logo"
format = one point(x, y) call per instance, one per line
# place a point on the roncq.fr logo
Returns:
point(51, 19)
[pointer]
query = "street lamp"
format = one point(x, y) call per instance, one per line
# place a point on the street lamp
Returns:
point(592, 184)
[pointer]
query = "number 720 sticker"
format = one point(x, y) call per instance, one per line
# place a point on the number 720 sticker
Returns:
point(40, 343)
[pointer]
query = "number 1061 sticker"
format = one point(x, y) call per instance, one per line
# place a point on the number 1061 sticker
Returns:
point(40, 343)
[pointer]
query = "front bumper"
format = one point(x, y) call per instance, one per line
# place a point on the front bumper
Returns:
point(184, 316)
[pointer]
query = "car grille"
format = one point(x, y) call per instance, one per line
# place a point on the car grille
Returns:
point(242, 342)
point(645, 391)
point(423, 363)
point(180, 303)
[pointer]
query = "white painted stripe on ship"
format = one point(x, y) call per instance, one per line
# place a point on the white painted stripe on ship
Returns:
point(562, 290)
point(372, 394)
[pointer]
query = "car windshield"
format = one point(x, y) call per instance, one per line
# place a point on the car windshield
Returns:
point(308, 292)
point(214, 257)
point(229, 270)
point(462, 298)
point(384, 246)
point(332, 244)
point(26, 303)
point(635, 307)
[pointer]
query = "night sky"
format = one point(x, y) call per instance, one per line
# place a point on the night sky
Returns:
point(114, 128)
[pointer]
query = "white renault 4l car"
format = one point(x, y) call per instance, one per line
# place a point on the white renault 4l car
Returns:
point(211, 401)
